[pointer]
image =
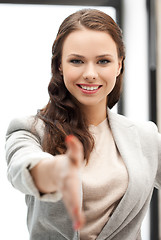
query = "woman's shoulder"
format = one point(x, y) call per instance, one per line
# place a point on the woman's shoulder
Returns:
point(27, 123)
point(142, 126)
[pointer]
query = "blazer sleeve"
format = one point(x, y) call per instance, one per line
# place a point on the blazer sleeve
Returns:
point(23, 152)
point(158, 176)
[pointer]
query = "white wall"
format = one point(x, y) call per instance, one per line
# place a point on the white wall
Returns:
point(136, 74)
point(136, 70)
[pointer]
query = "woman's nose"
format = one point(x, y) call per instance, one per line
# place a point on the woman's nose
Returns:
point(90, 72)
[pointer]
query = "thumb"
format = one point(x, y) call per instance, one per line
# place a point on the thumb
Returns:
point(74, 150)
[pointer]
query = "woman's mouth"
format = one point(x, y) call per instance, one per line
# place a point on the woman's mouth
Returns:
point(89, 88)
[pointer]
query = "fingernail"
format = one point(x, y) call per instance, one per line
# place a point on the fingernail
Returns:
point(68, 138)
point(76, 225)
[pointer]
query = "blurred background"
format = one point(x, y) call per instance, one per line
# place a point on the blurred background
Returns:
point(27, 32)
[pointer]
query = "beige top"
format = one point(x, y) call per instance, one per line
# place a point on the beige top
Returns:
point(105, 181)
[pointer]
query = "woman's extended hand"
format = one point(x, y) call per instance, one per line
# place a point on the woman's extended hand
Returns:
point(71, 187)
point(63, 174)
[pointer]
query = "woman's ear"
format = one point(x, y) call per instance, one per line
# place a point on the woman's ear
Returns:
point(119, 66)
point(60, 69)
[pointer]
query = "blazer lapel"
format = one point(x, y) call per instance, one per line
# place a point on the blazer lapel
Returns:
point(128, 144)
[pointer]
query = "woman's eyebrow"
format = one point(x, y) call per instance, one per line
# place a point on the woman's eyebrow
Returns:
point(76, 55)
point(104, 55)
point(81, 56)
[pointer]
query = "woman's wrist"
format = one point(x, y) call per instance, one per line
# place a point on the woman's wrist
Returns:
point(43, 176)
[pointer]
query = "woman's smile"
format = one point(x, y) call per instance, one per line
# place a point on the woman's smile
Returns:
point(89, 88)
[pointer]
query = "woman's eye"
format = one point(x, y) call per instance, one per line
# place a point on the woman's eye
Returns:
point(103, 61)
point(76, 61)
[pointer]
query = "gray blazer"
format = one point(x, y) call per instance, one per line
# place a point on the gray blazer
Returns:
point(140, 147)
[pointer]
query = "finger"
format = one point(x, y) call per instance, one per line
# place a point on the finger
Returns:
point(79, 219)
point(72, 200)
point(75, 212)
point(75, 150)
point(74, 209)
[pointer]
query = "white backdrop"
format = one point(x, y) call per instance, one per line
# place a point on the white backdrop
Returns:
point(136, 97)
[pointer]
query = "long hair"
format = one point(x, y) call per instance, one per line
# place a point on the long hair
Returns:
point(61, 115)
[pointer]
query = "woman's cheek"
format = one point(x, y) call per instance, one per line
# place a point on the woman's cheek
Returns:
point(72, 75)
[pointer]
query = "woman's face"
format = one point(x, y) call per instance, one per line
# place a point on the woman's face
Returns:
point(90, 65)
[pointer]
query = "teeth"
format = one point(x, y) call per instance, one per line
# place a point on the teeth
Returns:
point(89, 88)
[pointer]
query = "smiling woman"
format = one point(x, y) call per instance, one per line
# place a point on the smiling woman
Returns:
point(87, 173)
point(74, 39)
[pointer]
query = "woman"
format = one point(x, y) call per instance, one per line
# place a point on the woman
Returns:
point(87, 173)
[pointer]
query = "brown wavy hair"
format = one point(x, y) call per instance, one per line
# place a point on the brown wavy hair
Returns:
point(61, 115)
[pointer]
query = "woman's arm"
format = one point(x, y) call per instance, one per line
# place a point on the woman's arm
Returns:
point(33, 171)
point(62, 174)
point(23, 152)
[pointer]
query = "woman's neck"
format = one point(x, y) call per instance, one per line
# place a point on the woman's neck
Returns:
point(94, 116)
